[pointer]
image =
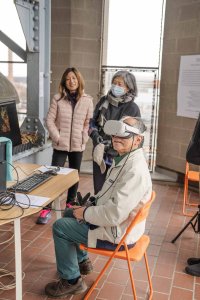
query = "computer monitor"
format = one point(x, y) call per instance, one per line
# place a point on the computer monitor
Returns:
point(9, 125)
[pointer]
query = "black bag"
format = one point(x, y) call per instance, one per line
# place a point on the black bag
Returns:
point(193, 150)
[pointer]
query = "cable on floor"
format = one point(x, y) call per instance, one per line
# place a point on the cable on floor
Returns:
point(9, 239)
point(12, 285)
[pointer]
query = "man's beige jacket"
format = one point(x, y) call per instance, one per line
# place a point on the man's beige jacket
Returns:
point(127, 187)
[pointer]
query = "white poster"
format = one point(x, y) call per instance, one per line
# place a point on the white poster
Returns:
point(188, 98)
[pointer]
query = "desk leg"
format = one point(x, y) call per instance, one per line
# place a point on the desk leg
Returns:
point(57, 208)
point(18, 259)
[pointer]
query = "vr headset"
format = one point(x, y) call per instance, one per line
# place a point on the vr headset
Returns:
point(120, 129)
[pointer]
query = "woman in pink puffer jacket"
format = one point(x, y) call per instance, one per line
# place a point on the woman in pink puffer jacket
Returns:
point(68, 122)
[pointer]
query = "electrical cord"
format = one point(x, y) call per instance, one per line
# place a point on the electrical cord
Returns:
point(12, 285)
point(18, 167)
point(6, 162)
point(118, 173)
point(9, 239)
point(114, 233)
point(8, 199)
point(15, 168)
point(29, 174)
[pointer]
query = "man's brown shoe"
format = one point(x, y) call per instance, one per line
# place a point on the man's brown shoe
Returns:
point(61, 288)
point(86, 267)
point(193, 270)
point(193, 261)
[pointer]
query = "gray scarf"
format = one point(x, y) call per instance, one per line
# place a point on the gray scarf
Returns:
point(113, 101)
point(123, 99)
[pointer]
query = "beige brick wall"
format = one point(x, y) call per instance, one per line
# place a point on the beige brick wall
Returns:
point(76, 41)
point(181, 37)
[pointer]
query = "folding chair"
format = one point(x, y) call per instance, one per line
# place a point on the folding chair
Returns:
point(189, 176)
point(134, 254)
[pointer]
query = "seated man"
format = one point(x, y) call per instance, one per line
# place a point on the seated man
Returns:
point(127, 187)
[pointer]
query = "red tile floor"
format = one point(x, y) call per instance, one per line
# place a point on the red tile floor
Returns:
point(167, 261)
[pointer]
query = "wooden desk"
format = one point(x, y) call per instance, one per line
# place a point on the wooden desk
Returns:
point(52, 189)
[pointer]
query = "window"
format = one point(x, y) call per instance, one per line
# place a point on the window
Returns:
point(133, 33)
point(11, 65)
point(133, 42)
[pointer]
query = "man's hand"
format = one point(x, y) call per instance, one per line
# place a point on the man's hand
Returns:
point(78, 212)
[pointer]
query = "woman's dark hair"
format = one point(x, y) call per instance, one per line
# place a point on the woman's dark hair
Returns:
point(129, 80)
point(81, 83)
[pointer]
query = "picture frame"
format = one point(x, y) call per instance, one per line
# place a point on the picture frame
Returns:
point(9, 124)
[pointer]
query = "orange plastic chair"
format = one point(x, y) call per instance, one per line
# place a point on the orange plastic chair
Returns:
point(189, 176)
point(134, 254)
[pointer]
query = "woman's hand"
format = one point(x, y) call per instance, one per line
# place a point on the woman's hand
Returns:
point(96, 138)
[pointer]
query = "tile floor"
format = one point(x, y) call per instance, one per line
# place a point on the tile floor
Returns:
point(167, 261)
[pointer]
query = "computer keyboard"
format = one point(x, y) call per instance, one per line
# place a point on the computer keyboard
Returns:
point(30, 183)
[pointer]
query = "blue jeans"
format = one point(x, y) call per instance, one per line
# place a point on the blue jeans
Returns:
point(68, 234)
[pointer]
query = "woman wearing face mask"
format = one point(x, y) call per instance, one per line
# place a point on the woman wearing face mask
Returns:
point(118, 103)
point(68, 123)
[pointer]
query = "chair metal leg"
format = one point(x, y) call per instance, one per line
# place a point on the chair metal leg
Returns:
point(185, 198)
point(130, 272)
point(186, 190)
point(149, 276)
point(98, 278)
point(185, 195)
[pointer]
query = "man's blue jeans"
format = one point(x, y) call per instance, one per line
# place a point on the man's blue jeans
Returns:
point(68, 234)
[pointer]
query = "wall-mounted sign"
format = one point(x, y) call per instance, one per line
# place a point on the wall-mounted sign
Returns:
point(188, 97)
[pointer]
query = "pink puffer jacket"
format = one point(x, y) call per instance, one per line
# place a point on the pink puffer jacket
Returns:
point(67, 129)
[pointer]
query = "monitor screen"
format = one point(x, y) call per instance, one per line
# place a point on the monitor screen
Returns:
point(9, 125)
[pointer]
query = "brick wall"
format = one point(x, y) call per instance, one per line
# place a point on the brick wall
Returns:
point(181, 37)
point(76, 41)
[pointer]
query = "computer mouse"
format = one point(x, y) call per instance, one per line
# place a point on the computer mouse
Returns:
point(51, 172)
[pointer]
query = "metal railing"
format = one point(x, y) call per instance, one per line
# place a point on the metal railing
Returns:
point(147, 100)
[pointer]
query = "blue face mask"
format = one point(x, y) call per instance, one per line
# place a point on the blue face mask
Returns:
point(117, 90)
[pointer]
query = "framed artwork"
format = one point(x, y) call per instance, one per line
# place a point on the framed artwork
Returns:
point(9, 125)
